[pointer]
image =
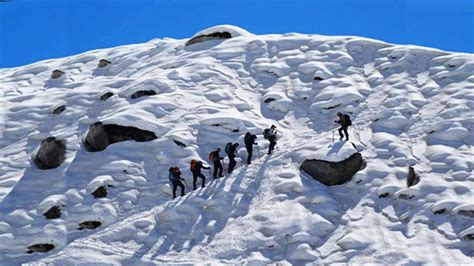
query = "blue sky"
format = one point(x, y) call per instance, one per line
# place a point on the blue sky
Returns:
point(35, 30)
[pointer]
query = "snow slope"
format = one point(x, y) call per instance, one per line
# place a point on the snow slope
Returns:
point(410, 106)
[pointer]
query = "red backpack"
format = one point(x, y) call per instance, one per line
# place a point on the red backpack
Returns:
point(212, 156)
point(192, 165)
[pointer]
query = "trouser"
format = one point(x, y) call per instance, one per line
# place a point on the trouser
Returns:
point(218, 166)
point(343, 128)
point(250, 152)
point(177, 184)
point(232, 164)
point(272, 145)
point(203, 179)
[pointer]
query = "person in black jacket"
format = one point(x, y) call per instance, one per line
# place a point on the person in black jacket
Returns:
point(344, 121)
point(175, 178)
point(232, 154)
point(249, 142)
point(216, 159)
point(196, 170)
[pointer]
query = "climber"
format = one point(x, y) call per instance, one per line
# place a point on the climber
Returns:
point(271, 135)
point(232, 153)
point(249, 142)
point(344, 121)
point(216, 159)
point(195, 168)
point(175, 178)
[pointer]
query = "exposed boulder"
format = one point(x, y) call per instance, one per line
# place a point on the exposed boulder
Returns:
point(97, 138)
point(139, 94)
point(333, 173)
point(106, 96)
point(412, 178)
point(51, 154)
point(59, 109)
point(53, 213)
point(318, 78)
point(212, 36)
point(103, 63)
point(89, 225)
point(40, 248)
point(100, 136)
point(179, 143)
point(57, 74)
point(100, 192)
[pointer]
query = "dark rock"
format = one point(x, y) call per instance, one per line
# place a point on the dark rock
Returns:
point(106, 96)
point(383, 195)
point(97, 138)
point(333, 173)
point(440, 211)
point(103, 63)
point(40, 248)
point(468, 213)
point(269, 100)
point(318, 78)
point(51, 154)
point(206, 37)
point(179, 143)
point(332, 107)
point(100, 192)
point(100, 136)
point(89, 225)
point(57, 74)
point(305, 98)
point(53, 213)
point(412, 178)
point(235, 130)
point(59, 110)
point(139, 94)
point(468, 237)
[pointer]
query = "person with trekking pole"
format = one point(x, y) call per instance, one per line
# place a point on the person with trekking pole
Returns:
point(215, 158)
point(249, 140)
point(175, 178)
point(345, 122)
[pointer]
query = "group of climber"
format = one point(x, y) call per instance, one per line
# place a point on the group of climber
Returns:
point(231, 150)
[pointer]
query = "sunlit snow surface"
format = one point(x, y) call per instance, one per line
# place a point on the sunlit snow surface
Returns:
point(409, 106)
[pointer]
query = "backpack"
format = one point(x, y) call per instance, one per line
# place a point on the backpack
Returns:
point(193, 165)
point(266, 133)
point(212, 156)
point(173, 174)
point(348, 120)
point(228, 147)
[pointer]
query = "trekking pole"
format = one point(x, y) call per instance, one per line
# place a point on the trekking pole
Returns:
point(333, 136)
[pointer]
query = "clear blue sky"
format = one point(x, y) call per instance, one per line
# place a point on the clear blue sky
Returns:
point(35, 30)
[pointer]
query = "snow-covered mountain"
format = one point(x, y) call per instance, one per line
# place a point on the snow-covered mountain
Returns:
point(410, 106)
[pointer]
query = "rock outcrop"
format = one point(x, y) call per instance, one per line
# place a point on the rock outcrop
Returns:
point(139, 94)
point(105, 96)
point(103, 63)
point(40, 248)
point(212, 36)
point(51, 154)
point(59, 109)
point(53, 213)
point(89, 225)
point(56, 74)
point(100, 136)
point(333, 173)
point(100, 192)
